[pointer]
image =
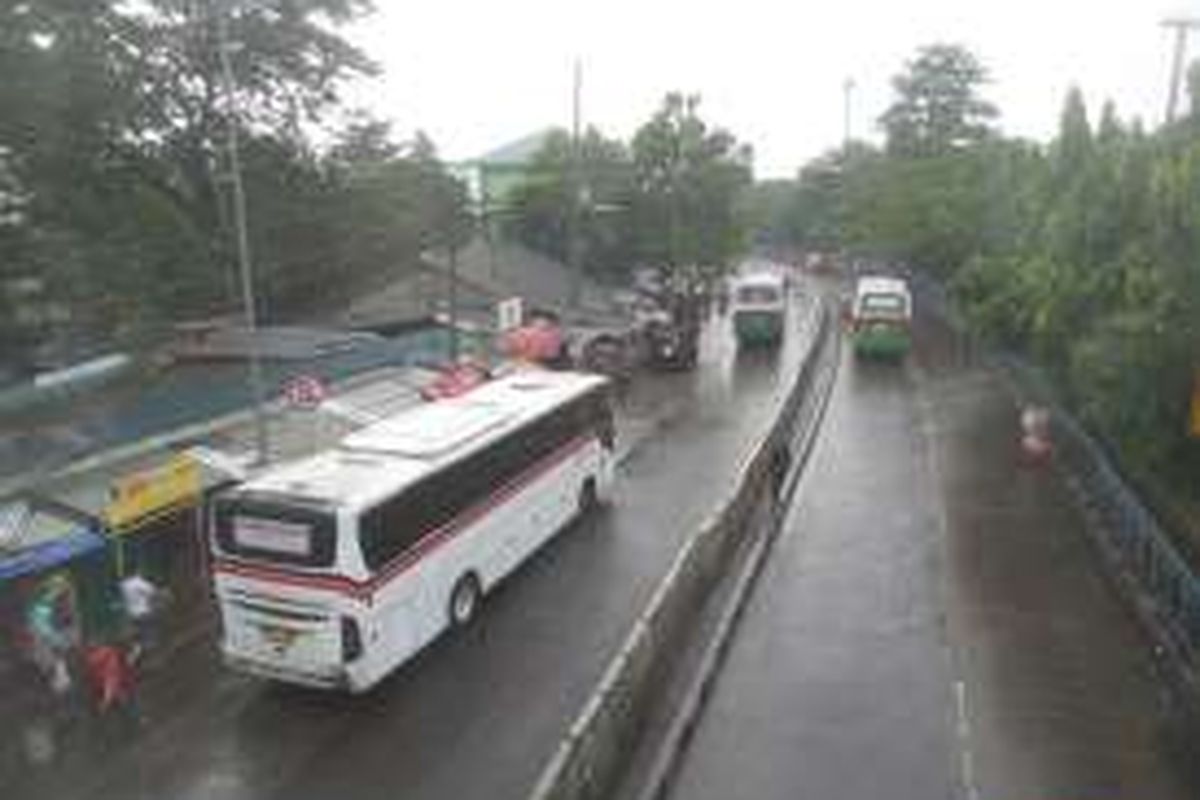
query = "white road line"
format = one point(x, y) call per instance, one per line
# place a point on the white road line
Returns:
point(966, 757)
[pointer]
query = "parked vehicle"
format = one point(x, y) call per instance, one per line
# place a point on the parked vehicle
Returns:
point(880, 317)
point(759, 309)
point(612, 353)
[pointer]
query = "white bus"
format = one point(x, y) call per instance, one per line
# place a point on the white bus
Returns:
point(334, 570)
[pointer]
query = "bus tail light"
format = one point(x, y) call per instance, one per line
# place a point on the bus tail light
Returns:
point(351, 639)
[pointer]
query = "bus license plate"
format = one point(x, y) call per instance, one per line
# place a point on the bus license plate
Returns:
point(279, 638)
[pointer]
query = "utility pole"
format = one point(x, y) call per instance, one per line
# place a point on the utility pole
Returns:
point(243, 238)
point(847, 93)
point(1181, 26)
point(453, 300)
point(485, 219)
point(574, 263)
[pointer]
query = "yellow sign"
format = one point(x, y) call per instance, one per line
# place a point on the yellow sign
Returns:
point(144, 494)
point(1194, 428)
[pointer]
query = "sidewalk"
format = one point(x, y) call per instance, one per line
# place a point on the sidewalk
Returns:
point(933, 622)
point(174, 546)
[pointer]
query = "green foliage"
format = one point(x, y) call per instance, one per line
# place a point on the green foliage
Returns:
point(1080, 253)
point(689, 177)
point(542, 211)
point(937, 107)
point(673, 197)
point(114, 170)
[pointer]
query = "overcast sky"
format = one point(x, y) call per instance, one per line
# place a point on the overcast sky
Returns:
point(475, 75)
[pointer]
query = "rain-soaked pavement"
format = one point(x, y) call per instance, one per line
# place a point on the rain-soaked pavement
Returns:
point(478, 713)
point(932, 623)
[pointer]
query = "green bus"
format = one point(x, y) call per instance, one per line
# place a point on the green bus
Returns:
point(880, 317)
point(759, 309)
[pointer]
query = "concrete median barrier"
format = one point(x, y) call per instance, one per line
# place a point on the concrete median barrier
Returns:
point(590, 757)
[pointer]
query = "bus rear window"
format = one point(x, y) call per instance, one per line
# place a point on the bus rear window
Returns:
point(275, 531)
point(757, 294)
point(886, 304)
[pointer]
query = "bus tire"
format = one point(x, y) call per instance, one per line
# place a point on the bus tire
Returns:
point(464, 600)
point(589, 497)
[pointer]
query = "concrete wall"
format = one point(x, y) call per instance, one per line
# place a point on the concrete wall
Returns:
point(590, 757)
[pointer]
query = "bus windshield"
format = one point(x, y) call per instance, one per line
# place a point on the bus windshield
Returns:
point(757, 294)
point(883, 305)
point(272, 530)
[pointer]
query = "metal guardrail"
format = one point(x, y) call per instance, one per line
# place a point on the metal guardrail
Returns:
point(588, 760)
point(1140, 553)
point(1131, 538)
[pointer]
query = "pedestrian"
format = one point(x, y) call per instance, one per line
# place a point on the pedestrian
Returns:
point(51, 635)
point(781, 463)
point(113, 682)
point(50, 619)
point(141, 599)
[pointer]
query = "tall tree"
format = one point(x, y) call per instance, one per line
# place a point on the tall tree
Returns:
point(1074, 145)
point(602, 177)
point(112, 121)
point(938, 108)
point(689, 178)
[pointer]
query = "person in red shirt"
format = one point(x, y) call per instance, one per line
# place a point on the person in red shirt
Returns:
point(113, 681)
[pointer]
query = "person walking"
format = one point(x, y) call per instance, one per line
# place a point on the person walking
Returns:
point(113, 680)
point(142, 600)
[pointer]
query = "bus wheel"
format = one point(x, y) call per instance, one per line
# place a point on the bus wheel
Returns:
point(464, 600)
point(589, 499)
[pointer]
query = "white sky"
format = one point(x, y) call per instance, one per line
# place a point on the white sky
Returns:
point(475, 75)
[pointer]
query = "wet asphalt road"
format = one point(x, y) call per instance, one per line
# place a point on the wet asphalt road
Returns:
point(932, 623)
point(477, 714)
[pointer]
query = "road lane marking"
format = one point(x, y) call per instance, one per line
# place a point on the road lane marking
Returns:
point(962, 727)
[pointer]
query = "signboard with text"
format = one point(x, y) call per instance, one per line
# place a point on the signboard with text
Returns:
point(139, 496)
point(509, 314)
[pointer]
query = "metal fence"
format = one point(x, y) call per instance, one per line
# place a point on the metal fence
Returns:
point(1133, 540)
point(1139, 550)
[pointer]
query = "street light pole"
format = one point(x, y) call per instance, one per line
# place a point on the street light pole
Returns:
point(453, 300)
point(847, 93)
point(1182, 26)
point(843, 209)
point(574, 263)
point(246, 278)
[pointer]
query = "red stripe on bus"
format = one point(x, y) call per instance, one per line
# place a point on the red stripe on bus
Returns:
point(419, 550)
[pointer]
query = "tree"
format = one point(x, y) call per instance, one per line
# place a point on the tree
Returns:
point(1109, 129)
point(769, 214)
point(938, 108)
point(688, 181)
point(112, 125)
point(1074, 145)
point(542, 205)
point(1079, 254)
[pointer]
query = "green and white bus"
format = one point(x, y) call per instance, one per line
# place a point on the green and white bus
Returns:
point(759, 309)
point(880, 317)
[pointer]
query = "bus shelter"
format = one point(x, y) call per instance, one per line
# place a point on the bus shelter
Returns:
point(56, 580)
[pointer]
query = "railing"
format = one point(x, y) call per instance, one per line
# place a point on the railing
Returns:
point(1140, 552)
